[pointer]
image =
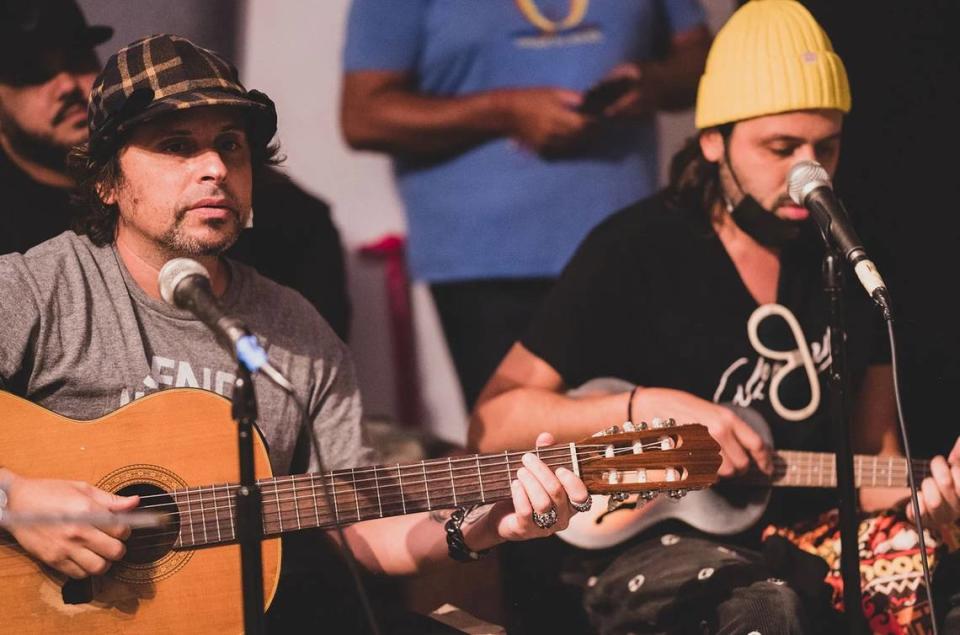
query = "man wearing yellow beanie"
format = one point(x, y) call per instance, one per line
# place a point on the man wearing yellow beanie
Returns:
point(710, 294)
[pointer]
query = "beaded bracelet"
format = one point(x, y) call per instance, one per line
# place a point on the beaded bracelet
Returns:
point(456, 546)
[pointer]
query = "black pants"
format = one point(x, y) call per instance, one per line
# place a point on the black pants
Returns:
point(481, 320)
point(688, 584)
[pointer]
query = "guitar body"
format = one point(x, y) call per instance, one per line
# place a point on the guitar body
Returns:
point(724, 509)
point(166, 441)
point(712, 511)
point(177, 449)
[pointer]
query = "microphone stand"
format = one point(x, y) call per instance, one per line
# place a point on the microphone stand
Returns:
point(249, 509)
point(839, 409)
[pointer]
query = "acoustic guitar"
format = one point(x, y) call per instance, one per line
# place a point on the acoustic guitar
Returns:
point(177, 450)
point(732, 506)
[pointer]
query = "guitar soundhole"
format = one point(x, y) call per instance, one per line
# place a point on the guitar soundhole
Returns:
point(149, 545)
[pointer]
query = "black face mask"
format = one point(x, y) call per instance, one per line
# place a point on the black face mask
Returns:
point(764, 226)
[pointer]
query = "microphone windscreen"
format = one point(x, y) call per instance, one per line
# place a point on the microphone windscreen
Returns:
point(173, 273)
point(805, 176)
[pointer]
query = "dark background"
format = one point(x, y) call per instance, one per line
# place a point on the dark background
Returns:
point(898, 177)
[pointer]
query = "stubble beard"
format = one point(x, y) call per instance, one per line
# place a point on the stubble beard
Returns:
point(175, 240)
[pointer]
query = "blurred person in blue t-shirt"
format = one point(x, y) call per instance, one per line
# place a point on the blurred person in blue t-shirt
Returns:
point(515, 127)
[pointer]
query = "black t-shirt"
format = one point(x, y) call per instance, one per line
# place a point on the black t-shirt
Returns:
point(652, 297)
point(30, 212)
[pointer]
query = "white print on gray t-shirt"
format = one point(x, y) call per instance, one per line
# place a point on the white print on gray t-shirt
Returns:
point(771, 367)
point(179, 374)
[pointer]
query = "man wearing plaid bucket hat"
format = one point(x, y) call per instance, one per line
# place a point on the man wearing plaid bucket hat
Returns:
point(175, 148)
point(47, 69)
point(707, 294)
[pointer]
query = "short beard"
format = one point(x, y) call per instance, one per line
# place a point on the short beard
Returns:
point(39, 149)
point(175, 242)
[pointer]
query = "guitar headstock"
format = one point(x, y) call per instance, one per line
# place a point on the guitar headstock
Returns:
point(648, 459)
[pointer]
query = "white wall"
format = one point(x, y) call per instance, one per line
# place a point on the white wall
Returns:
point(291, 50)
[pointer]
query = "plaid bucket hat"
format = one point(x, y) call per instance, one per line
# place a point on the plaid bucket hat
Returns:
point(166, 73)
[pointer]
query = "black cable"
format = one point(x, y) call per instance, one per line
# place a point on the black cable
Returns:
point(913, 485)
point(350, 558)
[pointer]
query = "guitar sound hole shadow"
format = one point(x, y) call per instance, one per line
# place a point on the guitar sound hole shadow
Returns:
point(147, 545)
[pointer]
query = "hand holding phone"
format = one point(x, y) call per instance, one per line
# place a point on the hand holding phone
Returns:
point(605, 93)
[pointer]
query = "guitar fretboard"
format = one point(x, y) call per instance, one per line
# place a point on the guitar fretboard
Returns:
point(794, 468)
point(291, 503)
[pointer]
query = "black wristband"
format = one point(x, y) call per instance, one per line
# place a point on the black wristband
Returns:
point(456, 546)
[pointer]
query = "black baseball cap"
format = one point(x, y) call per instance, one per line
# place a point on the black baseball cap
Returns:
point(31, 29)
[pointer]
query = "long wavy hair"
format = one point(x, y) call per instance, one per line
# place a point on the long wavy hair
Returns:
point(694, 181)
point(96, 174)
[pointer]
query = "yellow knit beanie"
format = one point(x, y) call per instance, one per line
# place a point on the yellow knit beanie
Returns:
point(770, 57)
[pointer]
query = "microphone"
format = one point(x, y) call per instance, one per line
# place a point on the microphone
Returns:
point(185, 284)
point(808, 184)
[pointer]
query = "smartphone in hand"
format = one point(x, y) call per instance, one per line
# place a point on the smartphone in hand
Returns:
point(604, 94)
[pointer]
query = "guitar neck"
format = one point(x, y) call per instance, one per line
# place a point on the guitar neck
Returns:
point(794, 468)
point(292, 503)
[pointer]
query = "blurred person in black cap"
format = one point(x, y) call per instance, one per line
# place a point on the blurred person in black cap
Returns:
point(47, 67)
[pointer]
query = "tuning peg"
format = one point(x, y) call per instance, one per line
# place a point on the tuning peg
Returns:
point(612, 430)
point(677, 494)
point(656, 423)
point(670, 423)
point(616, 501)
point(629, 426)
point(667, 443)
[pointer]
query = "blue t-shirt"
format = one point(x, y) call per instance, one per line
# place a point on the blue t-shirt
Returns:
point(499, 210)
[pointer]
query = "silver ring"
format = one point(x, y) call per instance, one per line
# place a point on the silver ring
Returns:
point(584, 506)
point(547, 520)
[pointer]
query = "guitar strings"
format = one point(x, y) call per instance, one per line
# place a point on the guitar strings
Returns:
point(385, 500)
point(292, 516)
point(137, 542)
point(140, 545)
point(207, 532)
point(279, 499)
point(295, 516)
point(562, 452)
point(411, 495)
point(384, 481)
point(444, 467)
point(135, 545)
point(389, 479)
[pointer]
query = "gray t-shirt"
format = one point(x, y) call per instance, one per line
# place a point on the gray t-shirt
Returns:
point(79, 337)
